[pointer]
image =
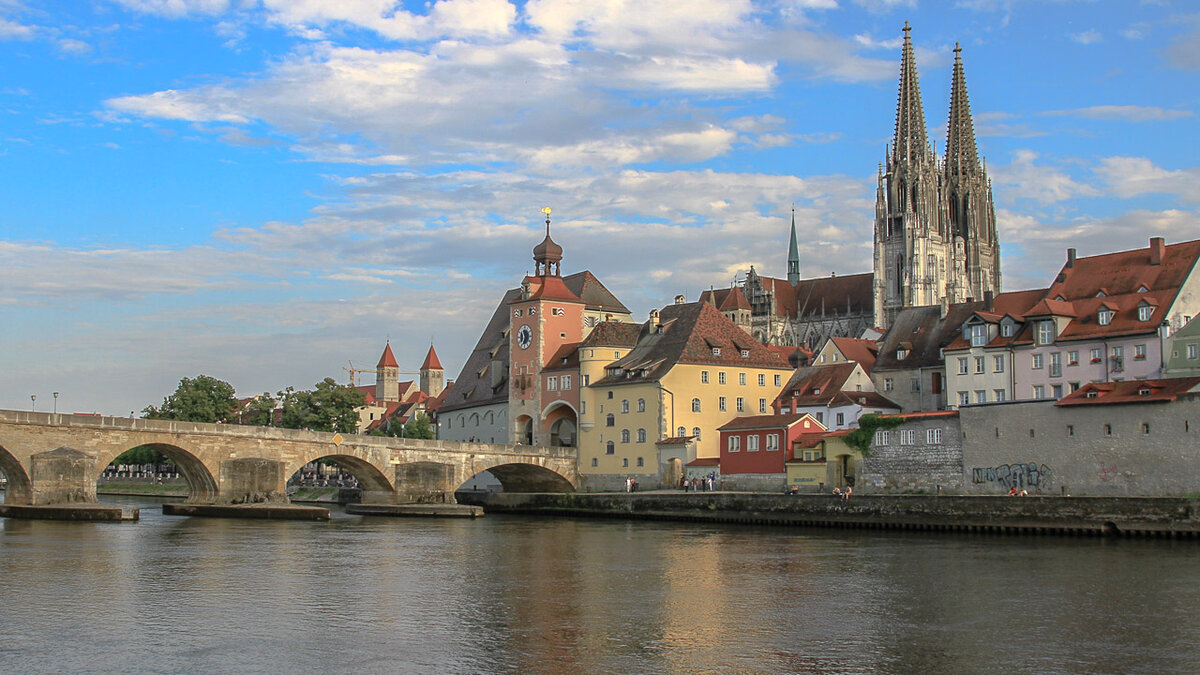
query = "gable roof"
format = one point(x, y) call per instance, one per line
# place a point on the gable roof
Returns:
point(923, 332)
point(855, 349)
point(1131, 391)
point(768, 422)
point(431, 360)
point(688, 333)
point(816, 385)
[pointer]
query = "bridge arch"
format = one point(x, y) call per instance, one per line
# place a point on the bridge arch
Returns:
point(370, 477)
point(202, 486)
point(521, 477)
point(20, 490)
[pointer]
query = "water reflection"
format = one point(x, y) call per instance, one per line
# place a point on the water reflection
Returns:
point(535, 595)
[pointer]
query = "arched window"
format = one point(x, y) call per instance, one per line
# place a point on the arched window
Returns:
point(474, 419)
point(624, 435)
point(610, 448)
point(625, 406)
point(696, 432)
point(489, 418)
point(641, 436)
point(641, 405)
point(682, 431)
point(695, 405)
point(610, 420)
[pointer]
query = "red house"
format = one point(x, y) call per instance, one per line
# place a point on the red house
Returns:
point(754, 449)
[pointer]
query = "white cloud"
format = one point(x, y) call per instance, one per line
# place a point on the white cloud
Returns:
point(1133, 176)
point(1025, 179)
point(11, 30)
point(1087, 37)
point(176, 8)
point(1126, 113)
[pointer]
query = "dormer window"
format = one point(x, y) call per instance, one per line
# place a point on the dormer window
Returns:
point(1105, 316)
point(1102, 294)
point(816, 391)
point(1062, 299)
point(716, 351)
point(1045, 332)
point(745, 353)
point(1142, 289)
point(978, 335)
point(1144, 391)
point(1145, 312)
point(901, 354)
point(1091, 394)
point(1006, 328)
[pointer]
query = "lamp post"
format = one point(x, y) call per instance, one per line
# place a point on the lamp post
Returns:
point(56, 403)
point(33, 403)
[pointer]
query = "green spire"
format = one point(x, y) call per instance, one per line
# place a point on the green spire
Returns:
point(793, 274)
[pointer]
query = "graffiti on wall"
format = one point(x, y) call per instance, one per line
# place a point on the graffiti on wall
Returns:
point(1020, 476)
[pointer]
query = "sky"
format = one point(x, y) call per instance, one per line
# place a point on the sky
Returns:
point(266, 191)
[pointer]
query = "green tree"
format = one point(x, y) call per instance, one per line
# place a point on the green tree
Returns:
point(260, 411)
point(328, 407)
point(142, 454)
point(203, 399)
point(418, 426)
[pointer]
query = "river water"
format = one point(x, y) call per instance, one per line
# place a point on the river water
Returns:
point(508, 594)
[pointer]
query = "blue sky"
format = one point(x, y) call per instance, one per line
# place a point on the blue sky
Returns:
point(262, 191)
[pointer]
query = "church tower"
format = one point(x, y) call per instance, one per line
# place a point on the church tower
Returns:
point(433, 377)
point(935, 231)
point(387, 376)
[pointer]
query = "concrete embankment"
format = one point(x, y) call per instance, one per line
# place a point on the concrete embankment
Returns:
point(1112, 516)
point(72, 512)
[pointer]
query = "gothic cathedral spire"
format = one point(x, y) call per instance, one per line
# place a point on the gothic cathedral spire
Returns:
point(793, 270)
point(935, 233)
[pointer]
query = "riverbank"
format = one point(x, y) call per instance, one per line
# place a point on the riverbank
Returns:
point(1107, 516)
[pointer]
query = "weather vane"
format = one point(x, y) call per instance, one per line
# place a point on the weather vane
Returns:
point(546, 210)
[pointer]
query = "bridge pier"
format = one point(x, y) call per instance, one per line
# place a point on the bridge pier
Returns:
point(62, 476)
point(252, 480)
point(425, 483)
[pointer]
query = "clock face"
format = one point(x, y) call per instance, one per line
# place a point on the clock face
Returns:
point(524, 337)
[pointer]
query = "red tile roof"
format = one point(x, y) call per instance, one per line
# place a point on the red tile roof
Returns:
point(674, 440)
point(816, 385)
point(387, 360)
point(767, 422)
point(431, 360)
point(1130, 391)
point(550, 288)
point(705, 461)
point(854, 349)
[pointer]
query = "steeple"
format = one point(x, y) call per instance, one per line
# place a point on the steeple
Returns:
point(911, 144)
point(547, 254)
point(433, 377)
point(387, 376)
point(793, 270)
point(962, 157)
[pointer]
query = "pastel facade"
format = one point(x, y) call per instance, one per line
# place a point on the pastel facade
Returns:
point(835, 395)
point(756, 449)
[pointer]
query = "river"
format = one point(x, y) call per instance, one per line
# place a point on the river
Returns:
point(508, 594)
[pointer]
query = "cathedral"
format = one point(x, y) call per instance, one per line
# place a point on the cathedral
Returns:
point(934, 237)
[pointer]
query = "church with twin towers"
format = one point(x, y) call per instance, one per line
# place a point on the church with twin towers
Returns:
point(934, 237)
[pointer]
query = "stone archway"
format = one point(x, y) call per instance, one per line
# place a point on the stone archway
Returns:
point(524, 430)
point(202, 486)
point(517, 477)
point(561, 424)
point(376, 488)
point(18, 490)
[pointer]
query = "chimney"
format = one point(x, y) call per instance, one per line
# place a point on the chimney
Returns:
point(1070, 258)
point(1157, 249)
point(989, 301)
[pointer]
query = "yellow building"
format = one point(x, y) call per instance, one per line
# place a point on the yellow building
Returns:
point(682, 374)
point(821, 464)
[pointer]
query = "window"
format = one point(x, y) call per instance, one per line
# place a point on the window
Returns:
point(1146, 428)
point(624, 436)
point(1073, 358)
point(762, 380)
point(914, 384)
point(704, 377)
point(625, 461)
point(841, 419)
point(640, 462)
point(583, 407)
point(980, 396)
point(888, 384)
point(979, 365)
point(741, 404)
point(735, 444)
point(762, 405)
point(998, 363)
point(1057, 391)
point(641, 435)
point(901, 354)
point(1105, 316)
point(1074, 386)
point(587, 380)
point(1038, 360)
point(696, 432)
point(716, 351)
point(721, 377)
point(1145, 312)
point(1045, 332)
point(641, 405)
point(1096, 355)
point(625, 405)
point(695, 406)
point(881, 437)
point(552, 383)
point(998, 395)
point(616, 355)
point(595, 462)
point(752, 443)
point(1108, 430)
point(1039, 391)
point(610, 448)
point(742, 379)
point(772, 442)
point(681, 432)
point(566, 381)
point(778, 382)
point(933, 436)
point(908, 436)
point(1006, 329)
point(610, 420)
point(1070, 430)
point(978, 335)
point(721, 404)
point(964, 398)
point(962, 366)
point(610, 395)
point(1139, 352)
point(1193, 351)
point(745, 353)
point(1056, 364)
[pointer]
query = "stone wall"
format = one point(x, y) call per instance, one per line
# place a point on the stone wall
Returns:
point(1112, 449)
point(754, 482)
point(921, 467)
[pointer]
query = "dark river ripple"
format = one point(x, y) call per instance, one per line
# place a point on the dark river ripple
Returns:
point(532, 595)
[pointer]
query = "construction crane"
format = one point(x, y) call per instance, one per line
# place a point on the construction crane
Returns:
point(352, 370)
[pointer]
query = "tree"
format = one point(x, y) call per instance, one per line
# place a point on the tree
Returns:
point(203, 399)
point(328, 407)
point(260, 411)
point(418, 426)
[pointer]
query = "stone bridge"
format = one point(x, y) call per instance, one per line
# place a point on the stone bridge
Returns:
point(54, 459)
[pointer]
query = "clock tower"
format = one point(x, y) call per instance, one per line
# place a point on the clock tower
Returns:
point(543, 319)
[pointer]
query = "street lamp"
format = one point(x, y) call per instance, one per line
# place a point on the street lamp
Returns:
point(56, 403)
point(33, 403)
